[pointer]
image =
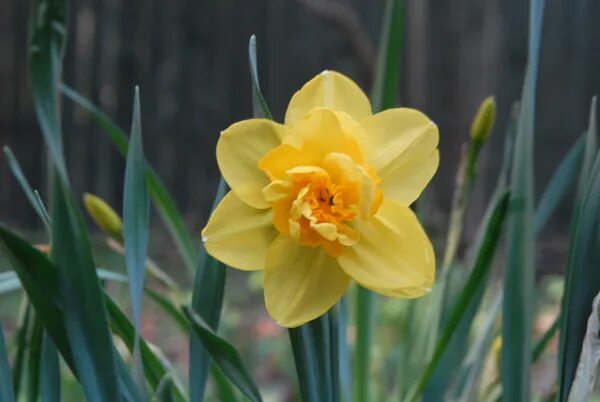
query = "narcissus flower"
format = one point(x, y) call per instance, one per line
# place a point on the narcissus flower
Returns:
point(324, 199)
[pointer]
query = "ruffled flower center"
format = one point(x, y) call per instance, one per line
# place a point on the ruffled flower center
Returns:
point(317, 204)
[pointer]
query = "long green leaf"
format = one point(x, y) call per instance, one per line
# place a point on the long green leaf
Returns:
point(583, 281)
point(305, 360)
point(519, 284)
point(6, 385)
point(385, 86)
point(163, 202)
point(259, 104)
point(20, 341)
point(562, 179)
point(155, 368)
point(34, 358)
point(135, 228)
point(475, 285)
point(40, 283)
point(207, 302)
point(39, 278)
point(135, 214)
point(85, 315)
point(48, 21)
point(49, 371)
point(17, 172)
point(225, 356)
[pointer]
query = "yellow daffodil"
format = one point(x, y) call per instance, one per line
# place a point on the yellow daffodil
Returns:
point(324, 198)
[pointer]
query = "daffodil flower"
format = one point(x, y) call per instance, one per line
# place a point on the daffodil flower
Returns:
point(324, 199)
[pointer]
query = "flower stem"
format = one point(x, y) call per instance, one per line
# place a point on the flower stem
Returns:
point(365, 323)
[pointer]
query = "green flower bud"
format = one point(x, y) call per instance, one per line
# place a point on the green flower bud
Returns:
point(104, 216)
point(484, 121)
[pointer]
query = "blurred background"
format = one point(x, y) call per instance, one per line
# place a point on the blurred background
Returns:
point(190, 60)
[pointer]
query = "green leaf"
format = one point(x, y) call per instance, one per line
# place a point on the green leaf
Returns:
point(586, 377)
point(48, 21)
point(519, 286)
point(34, 358)
point(20, 340)
point(33, 199)
point(49, 371)
point(39, 277)
point(305, 359)
point(164, 392)
point(6, 385)
point(583, 280)
point(259, 104)
point(344, 352)
point(135, 228)
point(135, 213)
point(558, 186)
point(469, 298)
point(155, 367)
point(163, 202)
point(224, 355)
point(389, 56)
point(543, 341)
point(84, 313)
point(224, 390)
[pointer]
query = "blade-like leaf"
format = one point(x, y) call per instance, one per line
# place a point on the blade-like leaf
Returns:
point(85, 316)
point(39, 277)
point(48, 21)
point(588, 370)
point(135, 214)
point(16, 170)
point(223, 387)
point(34, 358)
point(224, 355)
point(259, 104)
point(583, 281)
point(163, 202)
point(155, 368)
point(558, 186)
point(135, 228)
point(49, 371)
point(305, 359)
point(20, 341)
point(519, 283)
point(472, 290)
point(388, 58)
point(6, 385)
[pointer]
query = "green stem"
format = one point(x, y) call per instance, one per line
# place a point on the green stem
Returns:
point(305, 361)
point(365, 323)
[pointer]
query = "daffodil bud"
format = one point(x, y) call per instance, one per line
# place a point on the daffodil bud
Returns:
point(104, 216)
point(484, 120)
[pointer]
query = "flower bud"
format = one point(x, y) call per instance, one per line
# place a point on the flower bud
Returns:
point(484, 120)
point(104, 216)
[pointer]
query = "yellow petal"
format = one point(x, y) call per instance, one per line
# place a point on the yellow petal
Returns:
point(278, 161)
point(239, 235)
point(239, 149)
point(324, 131)
point(394, 255)
point(403, 150)
point(332, 90)
point(301, 283)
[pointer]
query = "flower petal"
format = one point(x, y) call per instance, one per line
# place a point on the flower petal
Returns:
point(238, 234)
point(394, 255)
point(332, 90)
point(239, 149)
point(301, 283)
point(403, 150)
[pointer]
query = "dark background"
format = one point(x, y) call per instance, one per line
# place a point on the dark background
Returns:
point(190, 60)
